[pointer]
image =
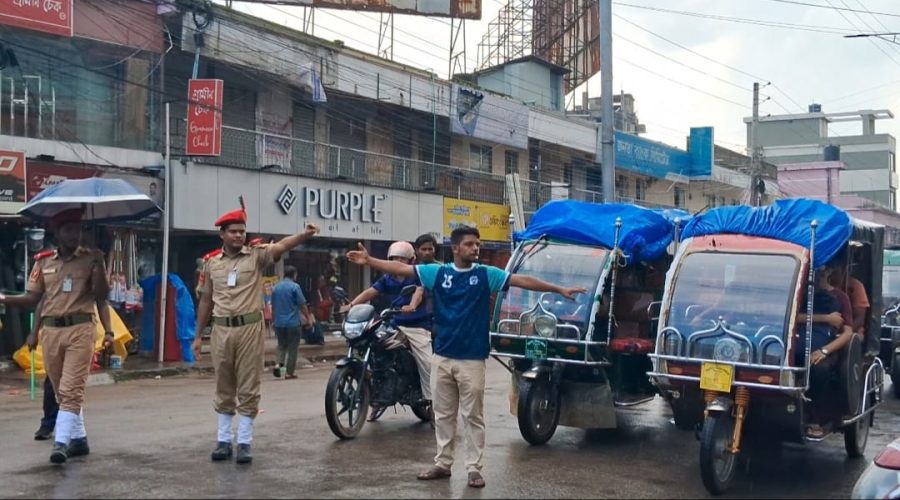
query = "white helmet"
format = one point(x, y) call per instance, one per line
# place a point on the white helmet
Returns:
point(401, 249)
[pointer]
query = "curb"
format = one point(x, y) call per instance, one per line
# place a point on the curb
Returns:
point(115, 377)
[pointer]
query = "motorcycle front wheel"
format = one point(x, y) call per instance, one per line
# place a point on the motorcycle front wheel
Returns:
point(346, 402)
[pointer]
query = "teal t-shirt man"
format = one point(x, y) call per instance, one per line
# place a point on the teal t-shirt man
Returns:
point(462, 307)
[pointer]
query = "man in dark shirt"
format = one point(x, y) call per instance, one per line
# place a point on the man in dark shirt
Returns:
point(415, 322)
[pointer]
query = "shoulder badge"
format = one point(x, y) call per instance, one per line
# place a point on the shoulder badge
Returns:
point(256, 242)
point(43, 254)
point(212, 254)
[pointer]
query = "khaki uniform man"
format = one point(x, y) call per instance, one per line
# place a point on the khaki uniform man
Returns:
point(71, 280)
point(231, 290)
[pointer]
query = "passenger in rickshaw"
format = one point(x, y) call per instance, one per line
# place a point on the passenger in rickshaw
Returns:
point(843, 315)
point(857, 297)
point(826, 345)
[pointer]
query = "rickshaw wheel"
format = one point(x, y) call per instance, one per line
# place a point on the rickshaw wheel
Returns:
point(856, 435)
point(538, 411)
point(895, 375)
point(717, 463)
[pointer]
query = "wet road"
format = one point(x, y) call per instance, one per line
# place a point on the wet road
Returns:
point(152, 438)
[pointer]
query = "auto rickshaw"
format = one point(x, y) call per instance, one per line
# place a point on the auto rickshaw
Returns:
point(890, 317)
point(729, 339)
point(572, 362)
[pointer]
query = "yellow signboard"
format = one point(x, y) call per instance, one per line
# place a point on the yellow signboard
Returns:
point(492, 220)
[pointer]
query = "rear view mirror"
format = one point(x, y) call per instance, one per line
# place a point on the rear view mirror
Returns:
point(408, 290)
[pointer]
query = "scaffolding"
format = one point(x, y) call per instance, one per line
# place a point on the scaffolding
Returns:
point(563, 32)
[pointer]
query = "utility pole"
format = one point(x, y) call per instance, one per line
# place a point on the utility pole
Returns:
point(754, 151)
point(606, 135)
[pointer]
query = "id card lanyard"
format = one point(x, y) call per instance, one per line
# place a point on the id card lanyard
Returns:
point(232, 277)
point(67, 284)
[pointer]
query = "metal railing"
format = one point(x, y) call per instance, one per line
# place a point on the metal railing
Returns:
point(257, 150)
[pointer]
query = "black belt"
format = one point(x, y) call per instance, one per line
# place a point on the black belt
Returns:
point(70, 320)
point(244, 319)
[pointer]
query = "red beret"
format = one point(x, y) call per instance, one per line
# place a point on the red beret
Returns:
point(65, 217)
point(234, 217)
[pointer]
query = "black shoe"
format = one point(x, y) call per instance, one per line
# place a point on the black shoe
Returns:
point(222, 451)
point(78, 447)
point(43, 434)
point(276, 371)
point(243, 454)
point(59, 453)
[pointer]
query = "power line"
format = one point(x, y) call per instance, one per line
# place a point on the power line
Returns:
point(820, 6)
point(724, 99)
point(772, 24)
point(873, 42)
point(707, 58)
point(728, 82)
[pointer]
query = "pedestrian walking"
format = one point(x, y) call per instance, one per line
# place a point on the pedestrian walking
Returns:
point(414, 321)
point(290, 311)
point(71, 281)
point(231, 296)
point(462, 292)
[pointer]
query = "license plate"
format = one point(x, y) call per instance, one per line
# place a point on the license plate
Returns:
point(536, 349)
point(716, 377)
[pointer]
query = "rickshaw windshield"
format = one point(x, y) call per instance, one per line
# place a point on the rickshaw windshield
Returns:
point(567, 265)
point(750, 292)
point(890, 286)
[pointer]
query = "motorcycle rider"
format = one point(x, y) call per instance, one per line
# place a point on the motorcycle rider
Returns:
point(414, 321)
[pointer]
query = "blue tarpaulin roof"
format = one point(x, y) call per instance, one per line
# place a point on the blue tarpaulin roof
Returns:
point(786, 220)
point(645, 234)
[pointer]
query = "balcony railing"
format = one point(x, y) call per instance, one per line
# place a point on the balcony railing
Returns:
point(255, 150)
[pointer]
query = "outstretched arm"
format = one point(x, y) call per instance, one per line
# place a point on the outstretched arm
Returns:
point(361, 257)
point(537, 285)
point(286, 244)
point(26, 301)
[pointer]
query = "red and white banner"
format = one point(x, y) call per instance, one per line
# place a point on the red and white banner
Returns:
point(12, 176)
point(49, 16)
point(42, 175)
point(204, 120)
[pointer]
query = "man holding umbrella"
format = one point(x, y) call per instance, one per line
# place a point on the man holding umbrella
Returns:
point(71, 281)
point(231, 292)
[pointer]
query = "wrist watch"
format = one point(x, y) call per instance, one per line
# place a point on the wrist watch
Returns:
point(825, 351)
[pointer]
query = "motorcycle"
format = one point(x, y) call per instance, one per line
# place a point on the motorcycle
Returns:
point(379, 370)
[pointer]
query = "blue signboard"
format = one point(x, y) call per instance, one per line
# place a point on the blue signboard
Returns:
point(655, 159)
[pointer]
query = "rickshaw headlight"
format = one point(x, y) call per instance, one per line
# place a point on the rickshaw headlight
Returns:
point(730, 350)
point(545, 325)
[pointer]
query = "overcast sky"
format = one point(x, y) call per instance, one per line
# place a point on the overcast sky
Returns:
point(804, 64)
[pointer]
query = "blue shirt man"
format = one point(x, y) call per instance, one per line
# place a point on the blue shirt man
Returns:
point(289, 312)
point(287, 297)
point(391, 286)
point(461, 294)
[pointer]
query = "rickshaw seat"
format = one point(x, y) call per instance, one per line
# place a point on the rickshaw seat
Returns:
point(631, 345)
